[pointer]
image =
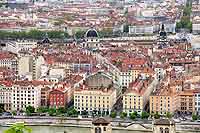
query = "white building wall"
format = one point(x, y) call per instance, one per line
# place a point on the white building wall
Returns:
point(197, 102)
point(23, 96)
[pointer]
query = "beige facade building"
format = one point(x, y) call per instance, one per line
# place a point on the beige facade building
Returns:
point(185, 102)
point(31, 65)
point(96, 95)
point(25, 65)
point(178, 96)
point(162, 101)
point(137, 95)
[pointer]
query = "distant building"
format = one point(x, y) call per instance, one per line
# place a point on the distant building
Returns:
point(9, 61)
point(30, 65)
point(22, 45)
point(196, 25)
point(170, 26)
point(91, 39)
point(143, 28)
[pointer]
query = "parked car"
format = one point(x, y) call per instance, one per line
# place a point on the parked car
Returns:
point(7, 114)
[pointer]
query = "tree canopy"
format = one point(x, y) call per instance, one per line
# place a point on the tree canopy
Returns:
point(185, 19)
point(32, 34)
point(18, 128)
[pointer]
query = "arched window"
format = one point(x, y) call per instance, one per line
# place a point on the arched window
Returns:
point(161, 130)
point(167, 130)
point(97, 130)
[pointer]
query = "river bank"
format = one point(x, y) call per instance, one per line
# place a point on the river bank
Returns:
point(73, 125)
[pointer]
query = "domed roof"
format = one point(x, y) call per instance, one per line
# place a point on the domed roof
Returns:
point(91, 33)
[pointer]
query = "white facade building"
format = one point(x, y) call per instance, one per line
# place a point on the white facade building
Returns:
point(24, 65)
point(17, 46)
point(125, 78)
point(5, 96)
point(9, 61)
point(141, 29)
point(26, 93)
point(196, 25)
point(197, 102)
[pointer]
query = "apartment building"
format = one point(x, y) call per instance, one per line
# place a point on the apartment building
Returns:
point(136, 97)
point(161, 101)
point(60, 95)
point(143, 28)
point(125, 78)
point(9, 61)
point(30, 65)
point(184, 102)
point(96, 95)
point(5, 94)
point(22, 45)
point(26, 93)
point(196, 25)
point(45, 96)
point(197, 102)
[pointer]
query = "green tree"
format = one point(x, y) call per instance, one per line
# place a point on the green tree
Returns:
point(168, 115)
point(72, 112)
point(35, 34)
point(18, 128)
point(14, 112)
point(2, 108)
point(126, 28)
point(185, 19)
point(30, 110)
point(135, 113)
point(61, 110)
point(144, 115)
point(133, 116)
point(42, 109)
point(157, 115)
point(123, 115)
point(113, 114)
point(80, 34)
point(194, 117)
point(57, 34)
point(105, 33)
point(52, 111)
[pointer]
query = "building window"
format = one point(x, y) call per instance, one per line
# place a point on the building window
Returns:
point(97, 130)
point(161, 130)
point(166, 130)
point(104, 128)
